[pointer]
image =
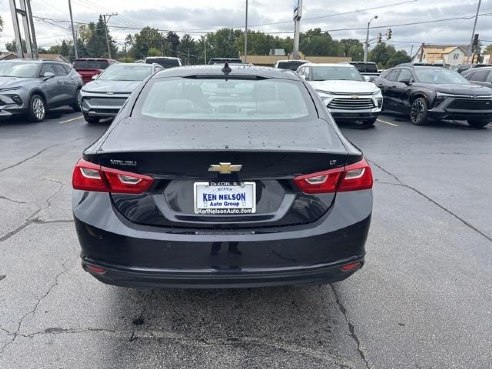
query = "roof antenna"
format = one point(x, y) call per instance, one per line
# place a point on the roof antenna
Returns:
point(226, 70)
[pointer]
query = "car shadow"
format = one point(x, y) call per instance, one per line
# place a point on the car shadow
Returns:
point(439, 124)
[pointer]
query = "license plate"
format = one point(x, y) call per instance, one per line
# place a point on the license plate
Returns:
point(218, 198)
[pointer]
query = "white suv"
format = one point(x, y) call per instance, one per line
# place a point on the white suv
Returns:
point(346, 94)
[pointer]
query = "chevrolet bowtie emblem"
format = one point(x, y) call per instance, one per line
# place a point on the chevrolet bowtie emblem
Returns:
point(225, 168)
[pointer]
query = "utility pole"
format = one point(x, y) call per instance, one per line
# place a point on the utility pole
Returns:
point(106, 29)
point(366, 44)
point(473, 32)
point(246, 34)
point(297, 28)
point(28, 25)
point(73, 31)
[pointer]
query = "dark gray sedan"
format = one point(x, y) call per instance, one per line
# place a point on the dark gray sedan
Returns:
point(218, 176)
point(31, 87)
point(103, 97)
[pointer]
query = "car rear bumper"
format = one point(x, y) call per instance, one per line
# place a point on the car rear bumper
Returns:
point(216, 278)
point(151, 256)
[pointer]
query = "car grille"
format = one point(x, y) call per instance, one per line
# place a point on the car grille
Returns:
point(351, 104)
point(471, 104)
point(106, 101)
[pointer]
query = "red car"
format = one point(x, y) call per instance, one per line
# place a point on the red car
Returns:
point(89, 67)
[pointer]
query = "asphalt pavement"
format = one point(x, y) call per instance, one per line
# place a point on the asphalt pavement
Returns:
point(423, 299)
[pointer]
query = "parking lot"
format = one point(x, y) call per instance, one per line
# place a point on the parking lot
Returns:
point(422, 300)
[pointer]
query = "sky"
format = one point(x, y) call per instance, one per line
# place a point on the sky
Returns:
point(413, 22)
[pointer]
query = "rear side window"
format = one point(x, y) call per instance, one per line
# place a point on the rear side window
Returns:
point(218, 99)
point(479, 75)
point(91, 64)
point(393, 75)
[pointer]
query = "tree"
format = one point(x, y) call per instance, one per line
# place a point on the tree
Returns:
point(351, 48)
point(96, 43)
point(188, 50)
point(148, 38)
point(314, 42)
point(488, 50)
point(381, 54)
point(398, 58)
point(222, 43)
point(173, 40)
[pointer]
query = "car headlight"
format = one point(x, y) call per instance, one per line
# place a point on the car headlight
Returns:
point(325, 96)
point(10, 88)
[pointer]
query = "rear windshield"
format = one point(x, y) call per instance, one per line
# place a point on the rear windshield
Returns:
point(164, 62)
point(218, 99)
point(436, 75)
point(292, 65)
point(91, 64)
point(124, 72)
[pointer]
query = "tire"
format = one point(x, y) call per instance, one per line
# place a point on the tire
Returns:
point(76, 106)
point(91, 120)
point(418, 112)
point(369, 122)
point(37, 108)
point(478, 123)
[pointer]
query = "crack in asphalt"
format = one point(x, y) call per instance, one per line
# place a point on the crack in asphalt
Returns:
point(11, 200)
point(351, 328)
point(37, 154)
point(33, 311)
point(400, 183)
point(321, 354)
point(31, 219)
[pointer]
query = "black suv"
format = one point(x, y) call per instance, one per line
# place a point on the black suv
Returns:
point(426, 92)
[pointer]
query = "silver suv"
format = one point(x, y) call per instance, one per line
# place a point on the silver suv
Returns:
point(31, 87)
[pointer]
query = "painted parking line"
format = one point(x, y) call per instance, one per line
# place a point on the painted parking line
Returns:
point(70, 120)
point(389, 123)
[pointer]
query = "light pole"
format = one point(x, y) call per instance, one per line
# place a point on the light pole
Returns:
point(106, 29)
point(246, 34)
point(73, 30)
point(470, 48)
point(366, 44)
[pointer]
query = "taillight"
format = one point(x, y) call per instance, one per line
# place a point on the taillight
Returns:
point(352, 177)
point(88, 176)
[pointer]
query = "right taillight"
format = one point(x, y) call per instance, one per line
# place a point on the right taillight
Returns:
point(353, 177)
point(88, 176)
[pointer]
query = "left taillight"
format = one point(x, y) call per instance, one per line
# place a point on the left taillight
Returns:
point(353, 177)
point(88, 176)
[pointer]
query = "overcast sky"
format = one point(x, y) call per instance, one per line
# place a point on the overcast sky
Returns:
point(343, 19)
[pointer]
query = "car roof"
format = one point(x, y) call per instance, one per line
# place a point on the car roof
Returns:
point(161, 57)
point(141, 65)
point(236, 70)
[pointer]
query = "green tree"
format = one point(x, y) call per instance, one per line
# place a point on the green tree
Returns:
point(96, 44)
point(351, 48)
point(488, 50)
point(398, 58)
point(381, 54)
point(223, 44)
point(188, 50)
point(173, 40)
point(148, 38)
point(317, 43)
point(12, 46)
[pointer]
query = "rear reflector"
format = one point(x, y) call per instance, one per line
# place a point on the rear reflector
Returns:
point(351, 266)
point(95, 269)
point(353, 177)
point(88, 176)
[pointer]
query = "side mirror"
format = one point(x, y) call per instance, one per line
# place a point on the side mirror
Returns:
point(95, 76)
point(48, 75)
point(406, 81)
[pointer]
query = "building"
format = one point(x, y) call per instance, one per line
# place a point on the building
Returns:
point(441, 54)
point(54, 57)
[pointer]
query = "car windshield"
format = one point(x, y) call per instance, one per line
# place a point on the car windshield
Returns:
point(122, 72)
point(91, 64)
point(328, 73)
point(435, 75)
point(220, 99)
point(20, 70)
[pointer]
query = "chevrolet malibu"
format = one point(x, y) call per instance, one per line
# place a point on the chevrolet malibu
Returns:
point(218, 176)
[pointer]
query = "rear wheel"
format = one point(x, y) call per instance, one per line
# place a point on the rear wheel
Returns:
point(418, 112)
point(76, 105)
point(37, 109)
point(369, 122)
point(478, 123)
point(91, 120)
